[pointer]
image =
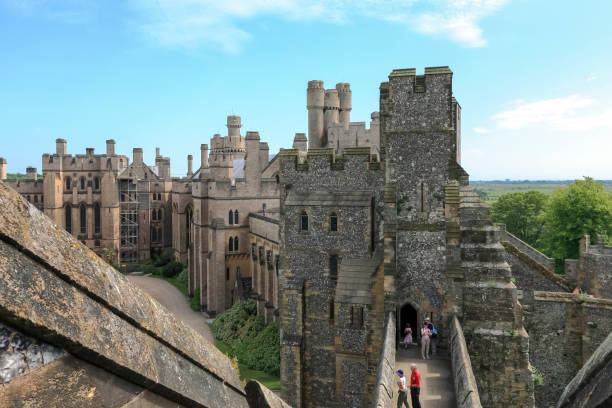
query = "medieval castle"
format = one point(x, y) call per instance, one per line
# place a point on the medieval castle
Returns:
point(344, 239)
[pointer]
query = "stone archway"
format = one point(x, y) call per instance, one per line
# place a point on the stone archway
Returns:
point(408, 314)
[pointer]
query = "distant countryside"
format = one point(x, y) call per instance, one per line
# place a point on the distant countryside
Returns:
point(491, 190)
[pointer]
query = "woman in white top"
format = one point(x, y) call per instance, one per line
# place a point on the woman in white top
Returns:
point(425, 339)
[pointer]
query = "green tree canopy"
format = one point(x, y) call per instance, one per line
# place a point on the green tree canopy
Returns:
point(523, 214)
point(581, 208)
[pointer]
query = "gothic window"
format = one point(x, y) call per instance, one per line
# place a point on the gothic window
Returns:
point(254, 251)
point(356, 317)
point(227, 274)
point(96, 218)
point(304, 221)
point(236, 248)
point(277, 179)
point(331, 310)
point(83, 217)
point(231, 217)
point(68, 218)
point(269, 259)
point(82, 183)
point(159, 214)
point(28, 198)
point(236, 217)
point(231, 244)
point(333, 222)
point(97, 184)
point(333, 267)
point(261, 256)
point(36, 199)
point(153, 235)
point(68, 183)
point(153, 215)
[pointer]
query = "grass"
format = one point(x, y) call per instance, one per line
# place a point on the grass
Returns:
point(493, 189)
point(246, 374)
point(174, 281)
point(195, 301)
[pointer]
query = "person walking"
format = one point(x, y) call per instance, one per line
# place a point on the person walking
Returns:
point(425, 338)
point(408, 336)
point(415, 386)
point(402, 392)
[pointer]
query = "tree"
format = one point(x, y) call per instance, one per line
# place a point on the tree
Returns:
point(523, 214)
point(580, 209)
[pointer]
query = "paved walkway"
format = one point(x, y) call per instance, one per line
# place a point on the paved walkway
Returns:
point(173, 300)
point(437, 388)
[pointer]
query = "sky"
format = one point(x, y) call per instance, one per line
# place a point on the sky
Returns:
point(533, 77)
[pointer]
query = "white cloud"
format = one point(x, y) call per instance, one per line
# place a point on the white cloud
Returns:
point(190, 23)
point(591, 78)
point(568, 114)
point(480, 130)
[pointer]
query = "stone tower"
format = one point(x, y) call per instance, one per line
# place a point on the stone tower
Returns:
point(314, 103)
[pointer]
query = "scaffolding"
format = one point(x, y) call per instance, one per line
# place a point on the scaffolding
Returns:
point(128, 221)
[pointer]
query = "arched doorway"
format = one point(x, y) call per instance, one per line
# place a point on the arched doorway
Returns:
point(408, 315)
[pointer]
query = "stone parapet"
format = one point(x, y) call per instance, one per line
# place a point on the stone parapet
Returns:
point(466, 389)
point(537, 256)
point(384, 390)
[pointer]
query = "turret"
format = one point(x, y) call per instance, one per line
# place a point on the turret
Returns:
point(189, 165)
point(233, 127)
point(332, 110)
point(315, 98)
point(137, 156)
point(300, 142)
point(345, 98)
point(89, 151)
point(2, 168)
point(203, 156)
point(60, 146)
point(31, 173)
point(110, 147)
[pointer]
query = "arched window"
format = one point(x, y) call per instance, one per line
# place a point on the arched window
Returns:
point(236, 217)
point(159, 214)
point(28, 198)
point(68, 218)
point(82, 183)
point(333, 267)
point(277, 179)
point(96, 218)
point(235, 243)
point(153, 234)
point(97, 183)
point(304, 221)
point(68, 183)
point(36, 199)
point(231, 244)
point(83, 216)
point(231, 217)
point(333, 222)
point(154, 215)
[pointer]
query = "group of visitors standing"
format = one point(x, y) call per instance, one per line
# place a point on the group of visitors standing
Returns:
point(429, 338)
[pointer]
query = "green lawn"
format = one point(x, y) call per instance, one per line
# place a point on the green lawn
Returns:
point(246, 374)
point(494, 189)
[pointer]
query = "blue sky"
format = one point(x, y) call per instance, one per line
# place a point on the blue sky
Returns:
point(533, 77)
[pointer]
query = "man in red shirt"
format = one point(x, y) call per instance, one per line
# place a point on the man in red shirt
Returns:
point(415, 386)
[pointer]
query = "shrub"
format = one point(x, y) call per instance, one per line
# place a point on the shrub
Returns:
point(162, 259)
point(195, 301)
point(149, 269)
point(183, 276)
point(172, 269)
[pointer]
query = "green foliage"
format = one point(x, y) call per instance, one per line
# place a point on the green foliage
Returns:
point(256, 345)
point(195, 301)
point(538, 377)
point(523, 214)
point(580, 209)
point(108, 254)
point(482, 194)
point(172, 269)
point(162, 259)
point(183, 276)
point(582, 297)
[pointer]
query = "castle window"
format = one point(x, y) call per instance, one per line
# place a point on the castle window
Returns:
point(231, 244)
point(333, 267)
point(68, 183)
point(231, 217)
point(277, 179)
point(96, 218)
point(153, 235)
point(236, 244)
point(261, 255)
point(333, 222)
point(236, 217)
point(28, 198)
point(227, 274)
point(159, 214)
point(356, 317)
point(331, 311)
point(83, 217)
point(254, 251)
point(36, 199)
point(304, 221)
point(153, 215)
point(82, 183)
point(68, 218)
point(97, 184)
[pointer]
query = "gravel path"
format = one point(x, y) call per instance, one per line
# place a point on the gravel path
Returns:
point(173, 300)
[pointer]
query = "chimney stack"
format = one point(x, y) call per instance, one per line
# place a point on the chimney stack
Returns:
point(110, 147)
point(157, 154)
point(60, 146)
point(189, 165)
point(203, 156)
point(137, 156)
point(31, 173)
